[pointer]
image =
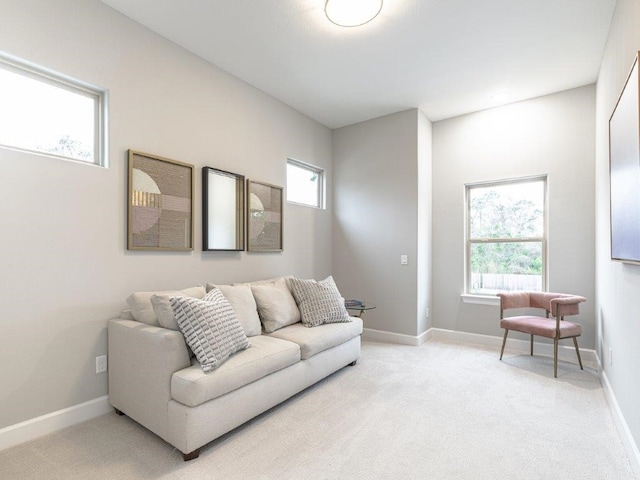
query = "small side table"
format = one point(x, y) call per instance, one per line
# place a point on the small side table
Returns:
point(363, 308)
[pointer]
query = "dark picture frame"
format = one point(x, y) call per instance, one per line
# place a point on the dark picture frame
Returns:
point(624, 171)
point(222, 210)
point(160, 203)
point(264, 217)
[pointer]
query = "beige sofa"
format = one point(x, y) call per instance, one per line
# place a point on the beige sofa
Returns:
point(154, 379)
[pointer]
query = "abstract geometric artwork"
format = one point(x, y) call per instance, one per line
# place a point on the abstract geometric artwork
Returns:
point(160, 203)
point(264, 217)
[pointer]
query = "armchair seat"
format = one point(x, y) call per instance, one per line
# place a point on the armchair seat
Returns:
point(557, 304)
point(543, 327)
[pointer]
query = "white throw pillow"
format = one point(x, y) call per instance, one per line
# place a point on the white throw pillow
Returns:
point(242, 301)
point(210, 327)
point(319, 302)
point(142, 308)
point(276, 305)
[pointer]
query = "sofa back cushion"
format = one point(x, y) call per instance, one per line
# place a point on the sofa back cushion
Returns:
point(243, 303)
point(276, 305)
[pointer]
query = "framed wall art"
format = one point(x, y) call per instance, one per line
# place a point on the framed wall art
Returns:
point(160, 203)
point(264, 217)
point(222, 210)
point(624, 171)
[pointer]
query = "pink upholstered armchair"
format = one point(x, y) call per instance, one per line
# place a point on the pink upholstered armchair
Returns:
point(558, 304)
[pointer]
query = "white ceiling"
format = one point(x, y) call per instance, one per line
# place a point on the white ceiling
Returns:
point(446, 57)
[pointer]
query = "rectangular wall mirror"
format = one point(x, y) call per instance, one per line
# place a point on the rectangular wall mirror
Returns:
point(222, 210)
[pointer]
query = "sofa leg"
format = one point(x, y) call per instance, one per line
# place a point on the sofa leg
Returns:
point(353, 364)
point(191, 456)
point(119, 412)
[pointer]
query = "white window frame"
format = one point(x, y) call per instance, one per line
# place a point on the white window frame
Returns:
point(486, 299)
point(99, 96)
point(321, 182)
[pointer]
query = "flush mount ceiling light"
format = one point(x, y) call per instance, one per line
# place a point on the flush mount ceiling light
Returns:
point(352, 13)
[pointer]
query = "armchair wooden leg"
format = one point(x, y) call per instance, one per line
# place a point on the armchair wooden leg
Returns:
point(575, 342)
point(504, 341)
point(555, 358)
point(532, 345)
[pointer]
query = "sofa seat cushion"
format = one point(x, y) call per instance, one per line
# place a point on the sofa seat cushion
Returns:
point(266, 355)
point(318, 339)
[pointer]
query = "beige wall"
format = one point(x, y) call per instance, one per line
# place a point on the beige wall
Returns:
point(617, 284)
point(64, 266)
point(551, 135)
point(382, 196)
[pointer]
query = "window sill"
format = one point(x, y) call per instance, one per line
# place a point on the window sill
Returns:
point(481, 299)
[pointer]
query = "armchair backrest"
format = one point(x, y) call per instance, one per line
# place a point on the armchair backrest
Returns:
point(568, 304)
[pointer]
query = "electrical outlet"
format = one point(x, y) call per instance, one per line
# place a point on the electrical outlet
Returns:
point(427, 312)
point(404, 259)
point(610, 356)
point(101, 364)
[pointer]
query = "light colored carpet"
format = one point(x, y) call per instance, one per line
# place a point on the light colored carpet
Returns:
point(440, 411)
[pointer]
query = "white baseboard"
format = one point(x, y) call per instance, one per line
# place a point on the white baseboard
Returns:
point(52, 422)
point(566, 353)
point(391, 337)
point(627, 439)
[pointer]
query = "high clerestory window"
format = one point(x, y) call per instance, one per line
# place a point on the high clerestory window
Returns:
point(305, 184)
point(506, 236)
point(49, 114)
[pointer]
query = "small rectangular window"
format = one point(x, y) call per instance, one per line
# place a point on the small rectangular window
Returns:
point(506, 236)
point(305, 184)
point(49, 114)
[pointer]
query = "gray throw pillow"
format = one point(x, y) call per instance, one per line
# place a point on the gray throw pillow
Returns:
point(210, 327)
point(319, 302)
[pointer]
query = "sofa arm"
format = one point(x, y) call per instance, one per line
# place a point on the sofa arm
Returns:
point(142, 359)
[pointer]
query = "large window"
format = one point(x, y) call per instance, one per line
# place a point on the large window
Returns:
point(305, 184)
point(45, 113)
point(506, 236)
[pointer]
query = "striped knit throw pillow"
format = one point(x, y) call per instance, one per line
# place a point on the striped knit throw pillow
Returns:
point(319, 302)
point(210, 327)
